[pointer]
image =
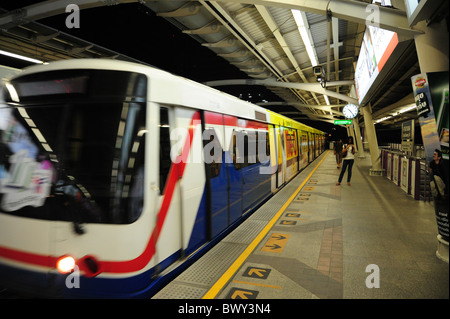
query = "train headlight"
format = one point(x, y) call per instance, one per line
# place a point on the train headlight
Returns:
point(65, 264)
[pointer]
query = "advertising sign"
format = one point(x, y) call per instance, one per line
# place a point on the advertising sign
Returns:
point(408, 137)
point(431, 93)
point(377, 46)
point(433, 89)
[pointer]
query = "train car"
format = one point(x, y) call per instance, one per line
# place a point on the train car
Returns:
point(114, 175)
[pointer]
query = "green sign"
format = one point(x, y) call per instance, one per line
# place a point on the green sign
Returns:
point(342, 122)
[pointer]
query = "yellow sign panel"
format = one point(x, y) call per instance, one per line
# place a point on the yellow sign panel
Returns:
point(276, 243)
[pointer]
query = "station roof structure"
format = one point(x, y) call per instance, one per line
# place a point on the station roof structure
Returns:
point(275, 44)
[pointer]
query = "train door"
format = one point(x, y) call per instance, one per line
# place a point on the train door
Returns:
point(290, 140)
point(311, 147)
point(304, 150)
point(316, 145)
point(217, 175)
point(235, 163)
point(256, 183)
point(182, 183)
point(281, 149)
point(297, 149)
point(273, 142)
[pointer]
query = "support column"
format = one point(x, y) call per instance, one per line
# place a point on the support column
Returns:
point(432, 52)
point(376, 169)
point(358, 140)
point(349, 132)
point(432, 46)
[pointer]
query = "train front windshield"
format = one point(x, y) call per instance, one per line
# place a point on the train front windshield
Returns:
point(72, 146)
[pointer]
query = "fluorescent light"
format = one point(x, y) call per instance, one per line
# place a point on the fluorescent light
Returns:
point(21, 57)
point(303, 28)
point(410, 108)
point(383, 119)
point(326, 99)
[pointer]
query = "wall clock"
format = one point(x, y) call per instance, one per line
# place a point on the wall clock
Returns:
point(350, 111)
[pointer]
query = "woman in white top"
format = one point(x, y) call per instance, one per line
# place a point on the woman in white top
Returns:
point(348, 160)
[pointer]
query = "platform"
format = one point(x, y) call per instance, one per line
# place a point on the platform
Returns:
point(314, 239)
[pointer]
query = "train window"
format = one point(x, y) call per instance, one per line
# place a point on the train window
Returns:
point(164, 148)
point(246, 146)
point(263, 147)
point(79, 162)
point(212, 152)
point(238, 150)
point(251, 148)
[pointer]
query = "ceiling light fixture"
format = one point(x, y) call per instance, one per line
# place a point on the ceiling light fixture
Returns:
point(303, 28)
point(21, 57)
point(408, 108)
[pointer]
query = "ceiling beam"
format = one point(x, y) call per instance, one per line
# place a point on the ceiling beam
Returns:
point(300, 105)
point(312, 87)
point(279, 37)
point(356, 11)
point(350, 10)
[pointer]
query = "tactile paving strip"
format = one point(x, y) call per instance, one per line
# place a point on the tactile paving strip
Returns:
point(219, 259)
point(246, 232)
point(180, 291)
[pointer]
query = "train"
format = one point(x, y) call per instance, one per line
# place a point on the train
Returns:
point(115, 175)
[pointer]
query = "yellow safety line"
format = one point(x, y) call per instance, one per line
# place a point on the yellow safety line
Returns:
point(214, 290)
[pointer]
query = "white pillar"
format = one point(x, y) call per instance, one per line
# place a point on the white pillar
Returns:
point(373, 142)
point(358, 138)
point(432, 46)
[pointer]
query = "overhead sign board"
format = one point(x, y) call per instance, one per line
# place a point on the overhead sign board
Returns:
point(377, 46)
point(418, 10)
point(342, 122)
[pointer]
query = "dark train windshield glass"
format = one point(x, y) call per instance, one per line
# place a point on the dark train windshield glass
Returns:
point(80, 161)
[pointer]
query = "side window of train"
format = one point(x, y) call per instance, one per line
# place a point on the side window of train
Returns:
point(251, 148)
point(164, 148)
point(136, 168)
point(246, 148)
point(238, 150)
point(213, 152)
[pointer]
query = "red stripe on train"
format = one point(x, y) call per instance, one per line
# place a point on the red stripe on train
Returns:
point(176, 172)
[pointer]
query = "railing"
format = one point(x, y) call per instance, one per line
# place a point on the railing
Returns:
point(425, 191)
point(408, 172)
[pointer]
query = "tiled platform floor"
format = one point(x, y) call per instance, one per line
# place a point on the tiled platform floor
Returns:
point(329, 235)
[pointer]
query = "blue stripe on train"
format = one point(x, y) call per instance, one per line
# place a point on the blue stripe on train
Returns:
point(234, 191)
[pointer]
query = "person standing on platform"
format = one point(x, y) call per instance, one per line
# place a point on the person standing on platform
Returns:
point(338, 152)
point(439, 190)
point(348, 155)
point(438, 176)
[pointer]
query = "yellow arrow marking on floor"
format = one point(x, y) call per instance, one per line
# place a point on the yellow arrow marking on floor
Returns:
point(241, 294)
point(276, 243)
point(257, 272)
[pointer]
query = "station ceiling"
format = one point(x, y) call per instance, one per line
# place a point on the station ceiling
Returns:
point(257, 40)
